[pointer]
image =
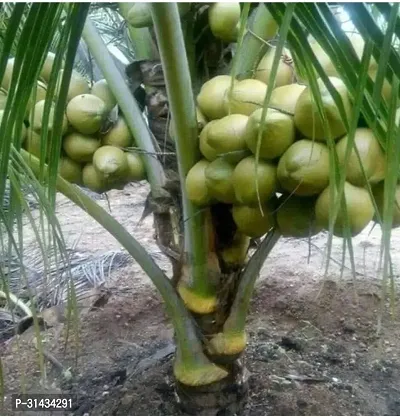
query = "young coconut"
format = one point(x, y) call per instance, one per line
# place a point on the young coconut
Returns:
point(244, 181)
point(285, 98)
point(111, 162)
point(136, 168)
point(211, 97)
point(359, 207)
point(196, 188)
point(246, 97)
point(80, 148)
point(372, 157)
point(77, 85)
point(101, 90)
point(308, 120)
point(36, 117)
point(278, 133)
point(70, 170)
point(86, 113)
point(295, 216)
point(226, 137)
point(219, 180)
point(251, 221)
point(93, 180)
point(285, 73)
point(206, 150)
point(223, 19)
point(119, 135)
point(378, 192)
point(304, 168)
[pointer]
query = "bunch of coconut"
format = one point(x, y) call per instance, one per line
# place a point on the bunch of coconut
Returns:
point(289, 186)
point(95, 147)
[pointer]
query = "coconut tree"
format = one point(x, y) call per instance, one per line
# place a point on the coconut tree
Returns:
point(260, 120)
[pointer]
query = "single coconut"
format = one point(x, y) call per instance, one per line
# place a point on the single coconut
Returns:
point(378, 192)
point(304, 168)
point(278, 133)
point(70, 170)
point(359, 207)
point(86, 113)
point(80, 148)
point(244, 181)
point(219, 180)
point(136, 168)
point(235, 254)
point(101, 90)
point(295, 216)
point(372, 157)
point(223, 19)
point(47, 67)
point(285, 98)
point(206, 150)
point(6, 81)
point(211, 97)
point(119, 135)
point(37, 114)
point(226, 137)
point(245, 97)
point(93, 180)
point(111, 162)
point(251, 221)
point(78, 85)
point(285, 73)
point(308, 120)
point(196, 187)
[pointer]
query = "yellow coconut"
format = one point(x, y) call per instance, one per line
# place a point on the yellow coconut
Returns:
point(102, 90)
point(285, 98)
point(86, 113)
point(304, 168)
point(251, 221)
point(45, 72)
point(308, 120)
point(119, 135)
point(136, 168)
point(78, 85)
point(219, 180)
point(285, 73)
point(372, 156)
point(80, 148)
point(246, 97)
point(378, 192)
point(211, 97)
point(235, 254)
point(206, 150)
point(70, 170)
point(93, 180)
point(223, 19)
point(359, 207)
point(111, 162)
point(244, 181)
point(295, 216)
point(196, 187)
point(278, 133)
point(36, 117)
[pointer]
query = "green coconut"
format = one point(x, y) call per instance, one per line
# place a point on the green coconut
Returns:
point(278, 133)
point(244, 181)
point(304, 168)
point(378, 192)
point(246, 97)
point(79, 147)
point(251, 221)
point(196, 187)
point(295, 216)
point(119, 135)
point(136, 169)
point(223, 19)
point(285, 73)
point(70, 170)
point(235, 254)
point(206, 150)
point(93, 180)
point(6, 81)
point(36, 117)
point(219, 180)
point(285, 97)
point(101, 90)
point(308, 120)
point(78, 85)
point(86, 113)
point(359, 206)
point(211, 97)
point(47, 67)
point(111, 162)
point(373, 159)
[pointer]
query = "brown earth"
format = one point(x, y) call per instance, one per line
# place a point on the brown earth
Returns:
point(314, 346)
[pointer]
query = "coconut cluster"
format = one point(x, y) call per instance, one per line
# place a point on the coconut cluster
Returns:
point(290, 185)
point(94, 147)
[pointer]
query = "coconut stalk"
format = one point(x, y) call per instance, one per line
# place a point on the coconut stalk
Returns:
point(199, 293)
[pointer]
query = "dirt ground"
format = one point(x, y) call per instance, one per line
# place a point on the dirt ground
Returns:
point(314, 346)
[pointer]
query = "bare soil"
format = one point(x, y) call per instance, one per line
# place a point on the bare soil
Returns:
point(314, 346)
